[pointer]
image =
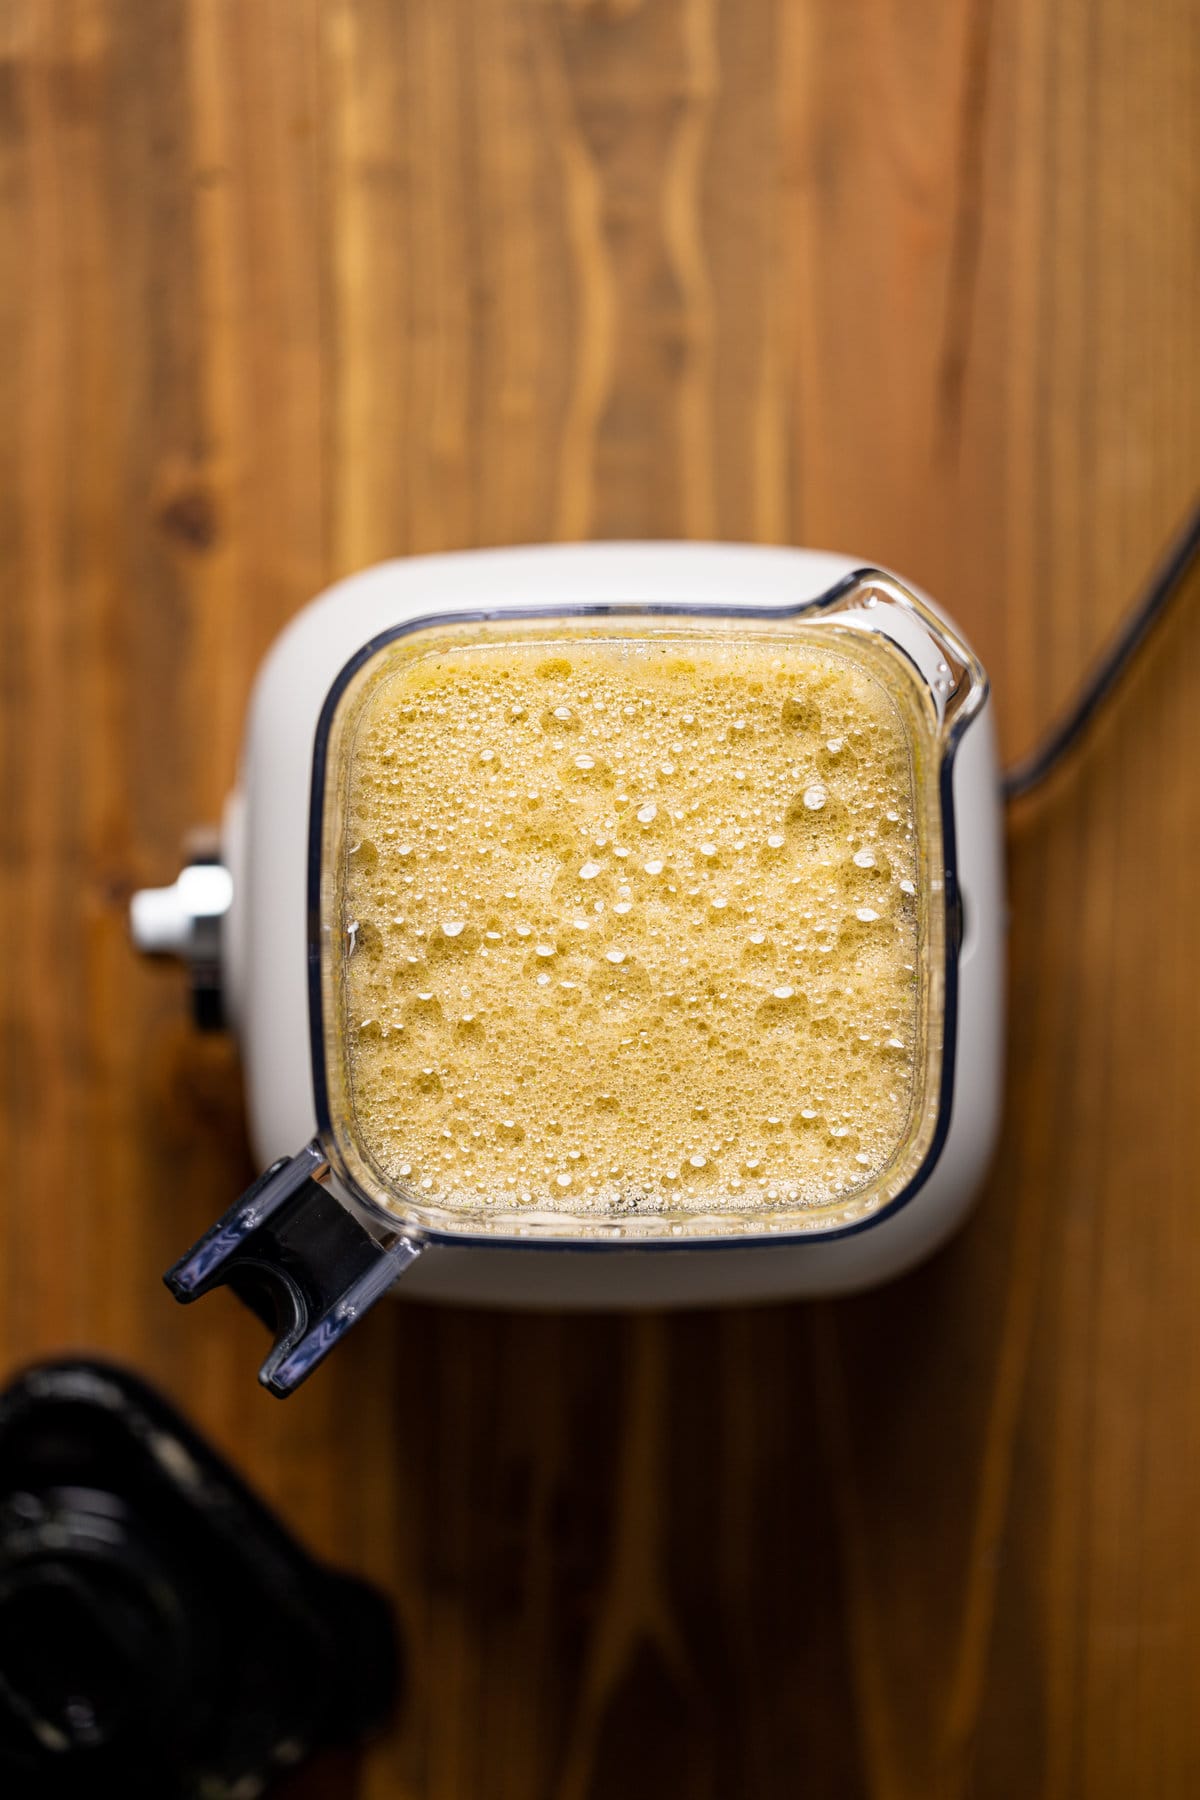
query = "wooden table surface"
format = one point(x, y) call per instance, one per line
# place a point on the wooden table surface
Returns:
point(288, 287)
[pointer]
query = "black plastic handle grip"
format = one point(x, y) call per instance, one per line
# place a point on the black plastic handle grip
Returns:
point(303, 1262)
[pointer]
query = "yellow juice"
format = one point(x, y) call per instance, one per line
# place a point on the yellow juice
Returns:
point(631, 925)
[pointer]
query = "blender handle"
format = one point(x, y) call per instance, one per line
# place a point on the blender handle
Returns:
point(304, 1263)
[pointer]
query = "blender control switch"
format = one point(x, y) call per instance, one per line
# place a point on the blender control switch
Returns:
point(167, 921)
point(185, 920)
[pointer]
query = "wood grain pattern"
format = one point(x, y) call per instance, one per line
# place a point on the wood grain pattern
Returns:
point(288, 287)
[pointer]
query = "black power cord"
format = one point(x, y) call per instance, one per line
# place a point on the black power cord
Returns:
point(1161, 588)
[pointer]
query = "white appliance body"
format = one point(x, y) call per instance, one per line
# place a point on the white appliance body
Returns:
point(265, 837)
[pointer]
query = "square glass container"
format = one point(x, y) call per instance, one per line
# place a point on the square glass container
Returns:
point(870, 622)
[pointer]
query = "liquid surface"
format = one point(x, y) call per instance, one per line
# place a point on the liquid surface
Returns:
point(632, 926)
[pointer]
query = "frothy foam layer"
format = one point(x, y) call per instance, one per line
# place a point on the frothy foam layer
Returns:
point(631, 926)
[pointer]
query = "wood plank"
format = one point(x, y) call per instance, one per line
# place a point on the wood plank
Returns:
point(288, 288)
